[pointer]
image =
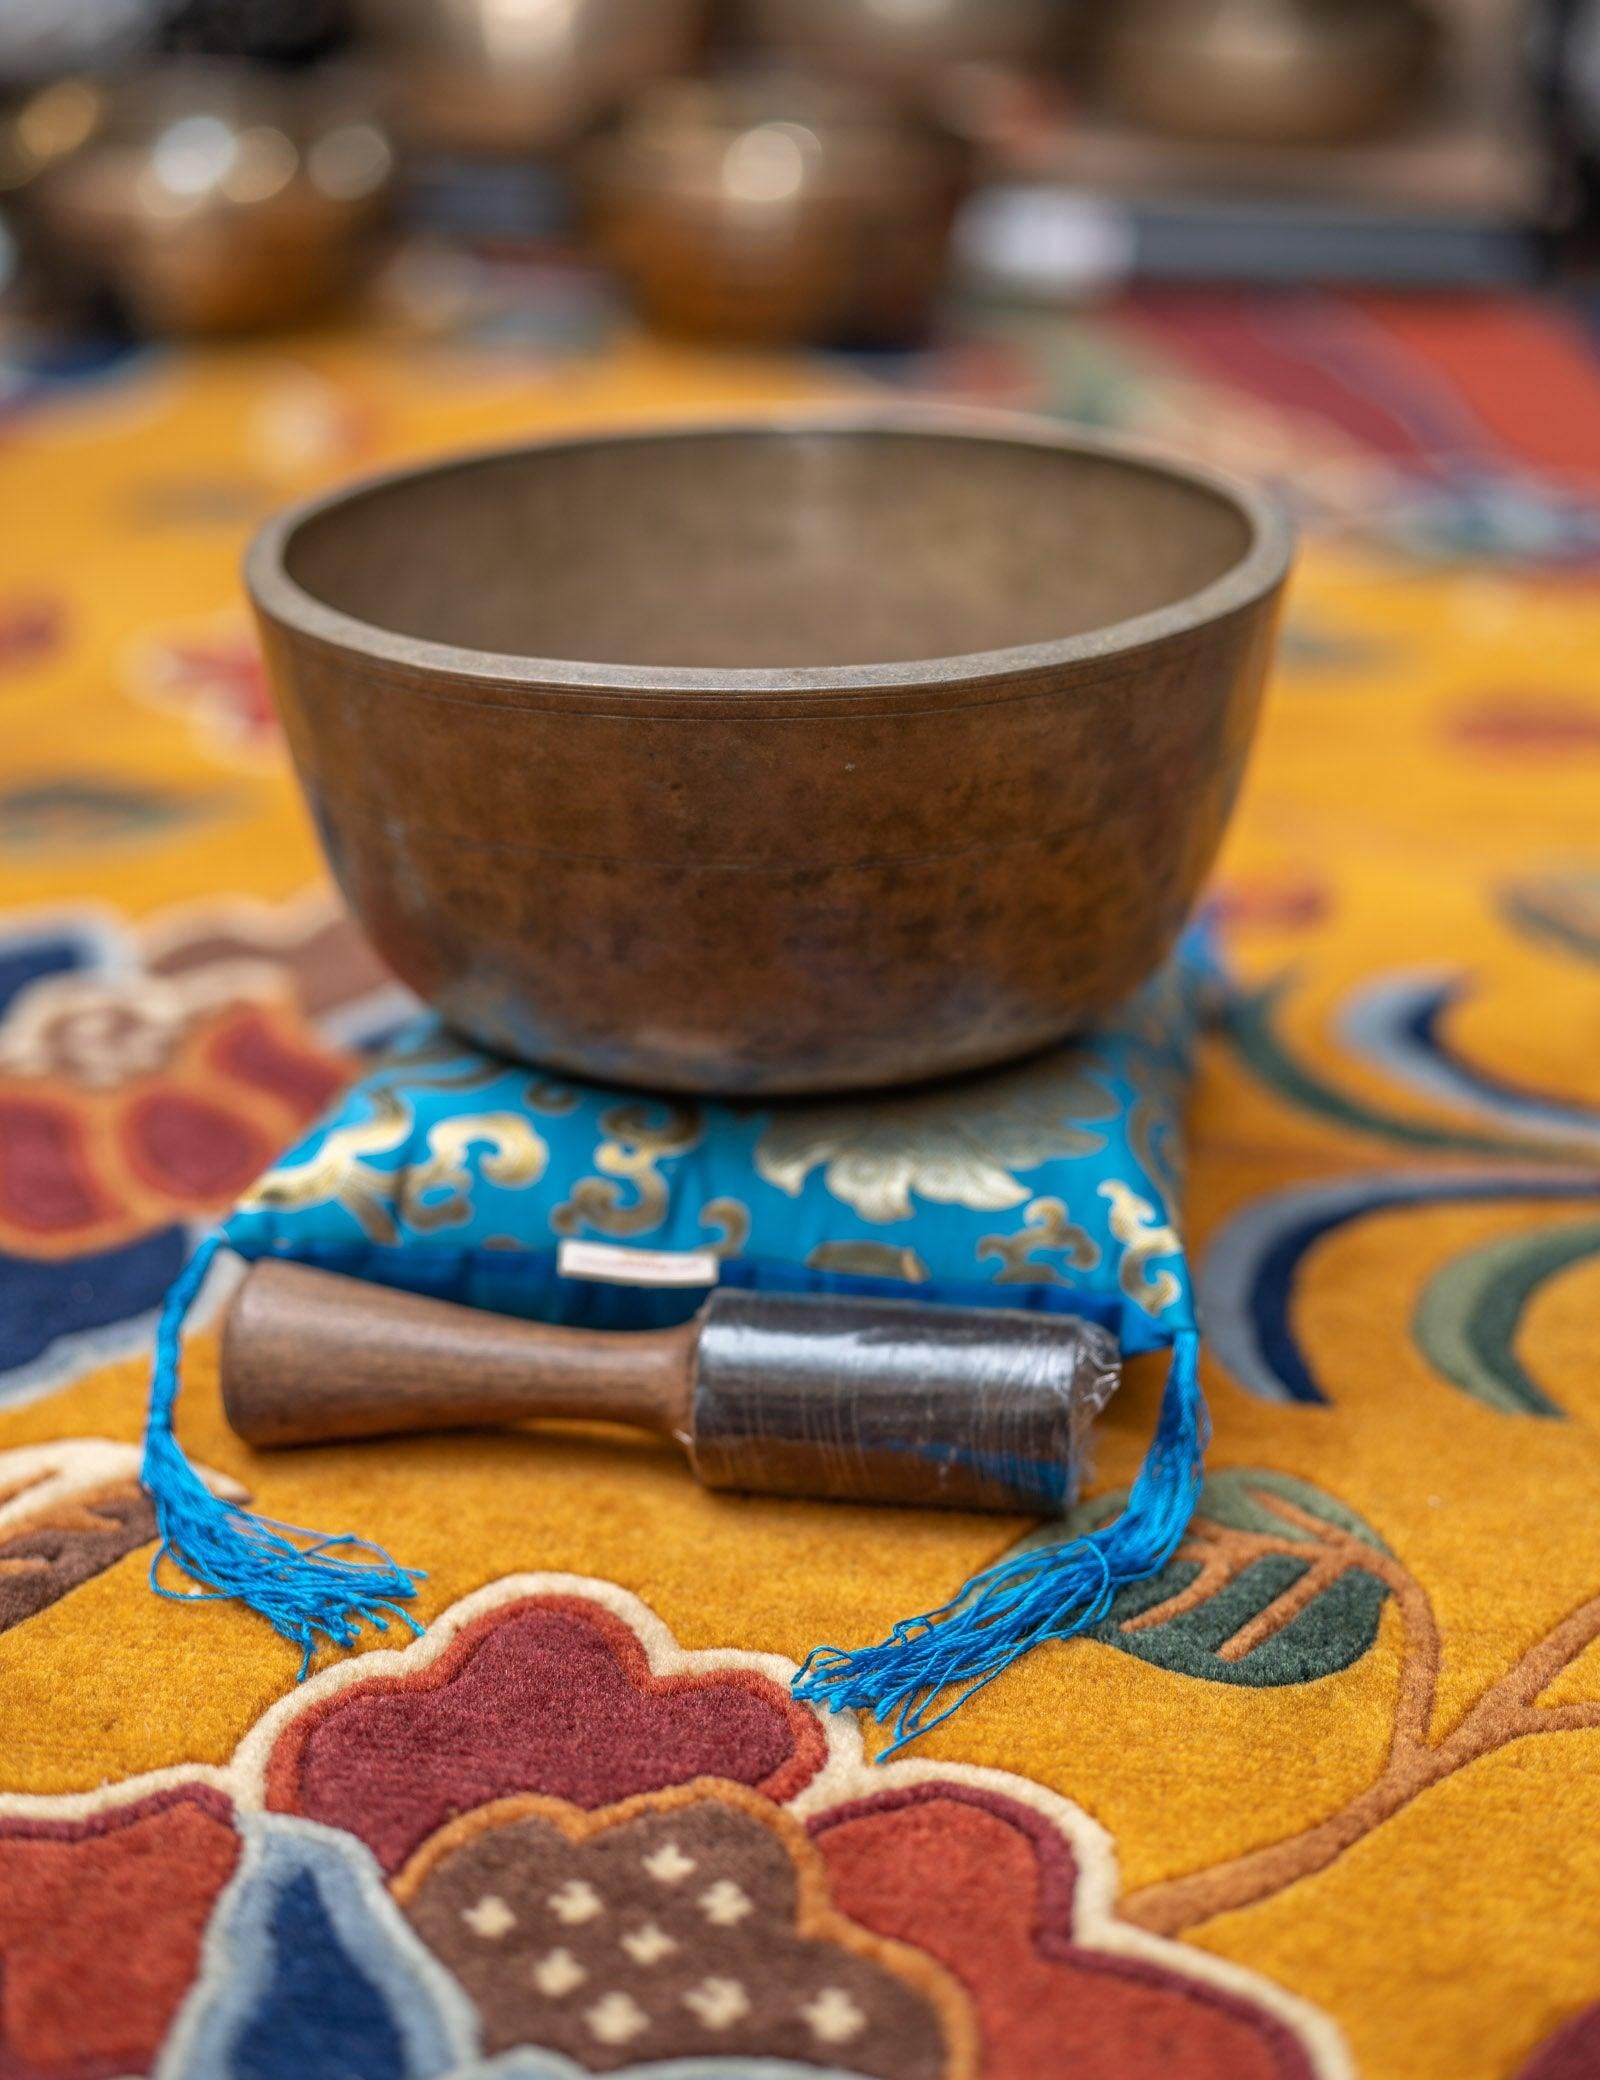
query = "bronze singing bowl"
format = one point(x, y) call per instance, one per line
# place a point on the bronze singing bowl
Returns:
point(780, 757)
point(217, 198)
point(906, 49)
point(774, 209)
point(1266, 72)
point(482, 77)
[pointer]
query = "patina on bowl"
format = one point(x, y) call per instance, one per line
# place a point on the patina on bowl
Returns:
point(779, 757)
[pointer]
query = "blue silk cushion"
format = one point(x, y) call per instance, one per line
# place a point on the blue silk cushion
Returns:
point(1046, 1184)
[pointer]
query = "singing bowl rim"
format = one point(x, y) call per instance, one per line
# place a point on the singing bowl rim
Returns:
point(1254, 577)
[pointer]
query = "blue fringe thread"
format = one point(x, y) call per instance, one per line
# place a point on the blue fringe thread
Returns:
point(280, 1570)
point(1040, 1593)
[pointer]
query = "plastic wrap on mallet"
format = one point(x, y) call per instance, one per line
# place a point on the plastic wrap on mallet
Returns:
point(886, 1401)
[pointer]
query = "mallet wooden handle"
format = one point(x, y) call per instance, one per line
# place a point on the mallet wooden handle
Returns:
point(308, 1357)
point(860, 1399)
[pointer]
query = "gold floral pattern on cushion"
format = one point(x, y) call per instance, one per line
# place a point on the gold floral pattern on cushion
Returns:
point(958, 1145)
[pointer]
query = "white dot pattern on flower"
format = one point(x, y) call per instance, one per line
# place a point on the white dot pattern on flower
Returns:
point(833, 2017)
point(576, 1901)
point(668, 1864)
point(648, 1945)
point(491, 1918)
point(675, 1930)
point(725, 1904)
point(557, 1974)
point(616, 2019)
point(719, 2003)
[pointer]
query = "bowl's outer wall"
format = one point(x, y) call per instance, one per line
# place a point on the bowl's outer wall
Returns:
point(768, 893)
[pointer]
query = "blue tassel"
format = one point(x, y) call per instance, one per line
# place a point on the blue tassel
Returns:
point(234, 1554)
point(1040, 1593)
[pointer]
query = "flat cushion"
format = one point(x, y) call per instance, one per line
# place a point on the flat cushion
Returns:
point(1047, 1184)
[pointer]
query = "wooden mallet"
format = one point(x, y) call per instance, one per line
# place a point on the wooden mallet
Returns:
point(852, 1399)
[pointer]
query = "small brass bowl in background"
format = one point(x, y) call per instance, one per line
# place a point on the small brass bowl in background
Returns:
point(216, 198)
point(40, 127)
point(906, 47)
point(779, 757)
point(774, 209)
point(487, 79)
point(1265, 72)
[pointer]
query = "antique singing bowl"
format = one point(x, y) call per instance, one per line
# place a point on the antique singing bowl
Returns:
point(906, 48)
point(775, 209)
point(1265, 72)
point(215, 198)
point(484, 77)
point(777, 757)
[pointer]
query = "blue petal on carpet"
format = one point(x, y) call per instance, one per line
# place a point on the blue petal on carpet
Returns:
point(59, 1317)
point(311, 1972)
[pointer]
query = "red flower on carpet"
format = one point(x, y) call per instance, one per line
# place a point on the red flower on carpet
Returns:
point(1273, 903)
point(30, 631)
point(143, 1083)
point(214, 677)
point(101, 1920)
point(545, 1825)
point(391, 1762)
point(1573, 2053)
point(126, 1104)
point(1530, 725)
point(146, 1079)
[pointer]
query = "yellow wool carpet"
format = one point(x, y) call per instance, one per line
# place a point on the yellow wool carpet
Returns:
point(1378, 1852)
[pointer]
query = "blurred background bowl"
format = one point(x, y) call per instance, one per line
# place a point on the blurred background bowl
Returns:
point(785, 756)
point(505, 77)
point(906, 47)
point(774, 209)
point(211, 197)
point(1430, 143)
point(1291, 72)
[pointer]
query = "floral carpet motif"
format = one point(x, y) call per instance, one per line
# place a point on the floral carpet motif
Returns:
point(1321, 1800)
point(544, 1829)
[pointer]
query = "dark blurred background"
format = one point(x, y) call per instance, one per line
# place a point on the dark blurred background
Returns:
point(838, 173)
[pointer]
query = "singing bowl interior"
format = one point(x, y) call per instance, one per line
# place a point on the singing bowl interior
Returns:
point(788, 551)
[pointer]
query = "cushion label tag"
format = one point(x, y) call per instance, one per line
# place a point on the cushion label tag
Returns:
point(611, 1264)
